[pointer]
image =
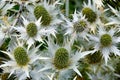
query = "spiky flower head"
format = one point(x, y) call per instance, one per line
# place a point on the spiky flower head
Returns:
point(61, 59)
point(40, 11)
point(80, 26)
point(31, 29)
point(89, 14)
point(106, 40)
point(21, 56)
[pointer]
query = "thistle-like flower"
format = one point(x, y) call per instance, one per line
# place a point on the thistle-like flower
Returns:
point(48, 13)
point(105, 42)
point(92, 14)
point(78, 27)
point(32, 31)
point(20, 59)
point(62, 59)
point(101, 76)
point(101, 71)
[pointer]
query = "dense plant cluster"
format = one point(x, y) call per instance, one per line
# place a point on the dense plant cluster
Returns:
point(59, 40)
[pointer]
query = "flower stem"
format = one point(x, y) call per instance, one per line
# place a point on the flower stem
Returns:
point(67, 8)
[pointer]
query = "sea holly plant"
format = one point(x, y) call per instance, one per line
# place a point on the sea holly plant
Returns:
point(20, 59)
point(58, 40)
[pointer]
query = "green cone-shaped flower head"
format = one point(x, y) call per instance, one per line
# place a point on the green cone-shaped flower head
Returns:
point(21, 56)
point(90, 15)
point(31, 29)
point(106, 40)
point(80, 26)
point(61, 59)
point(40, 11)
point(94, 58)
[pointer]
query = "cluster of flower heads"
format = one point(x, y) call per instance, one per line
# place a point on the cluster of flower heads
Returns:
point(38, 42)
